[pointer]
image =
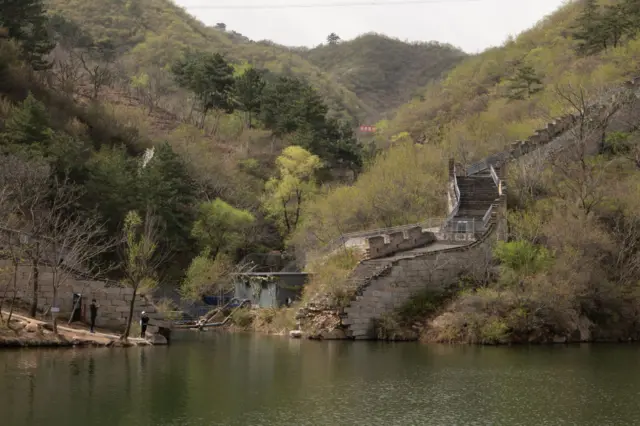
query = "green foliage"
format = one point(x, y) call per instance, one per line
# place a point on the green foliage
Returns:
point(422, 305)
point(248, 93)
point(152, 34)
point(287, 195)
point(330, 282)
point(139, 256)
point(525, 83)
point(210, 77)
point(523, 258)
point(601, 27)
point(26, 22)
point(383, 72)
point(139, 251)
point(220, 227)
point(289, 104)
point(206, 275)
point(618, 143)
point(167, 188)
point(28, 125)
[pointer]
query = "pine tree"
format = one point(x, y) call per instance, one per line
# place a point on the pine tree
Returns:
point(590, 29)
point(28, 125)
point(525, 83)
point(168, 190)
point(26, 22)
point(333, 39)
point(210, 77)
point(248, 92)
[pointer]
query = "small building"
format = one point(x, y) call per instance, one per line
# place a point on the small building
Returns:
point(270, 289)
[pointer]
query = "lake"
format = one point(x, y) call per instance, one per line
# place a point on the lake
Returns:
point(235, 379)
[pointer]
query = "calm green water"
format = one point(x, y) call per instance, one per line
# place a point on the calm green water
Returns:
point(219, 379)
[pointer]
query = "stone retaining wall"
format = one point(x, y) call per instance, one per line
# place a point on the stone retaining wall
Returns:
point(114, 301)
point(410, 275)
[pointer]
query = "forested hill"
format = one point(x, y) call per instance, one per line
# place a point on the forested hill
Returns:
point(382, 71)
point(151, 34)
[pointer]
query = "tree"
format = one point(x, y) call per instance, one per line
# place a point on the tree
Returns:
point(140, 258)
point(580, 174)
point(27, 186)
point(333, 39)
point(589, 29)
point(221, 26)
point(166, 187)
point(74, 240)
point(151, 87)
point(97, 61)
point(288, 193)
point(291, 103)
point(615, 23)
point(248, 93)
point(27, 127)
point(26, 22)
point(525, 83)
point(220, 227)
point(209, 77)
point(342, 148)
point(206, 275)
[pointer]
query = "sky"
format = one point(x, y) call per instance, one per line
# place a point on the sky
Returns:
point(472, 25)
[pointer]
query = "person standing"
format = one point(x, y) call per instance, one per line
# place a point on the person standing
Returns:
point(93, 312)
point(144, 321)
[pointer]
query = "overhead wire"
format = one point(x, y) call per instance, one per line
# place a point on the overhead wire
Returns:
point(371, 3)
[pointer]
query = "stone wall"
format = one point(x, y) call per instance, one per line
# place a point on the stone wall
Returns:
point(114, 301)
point(388, 244)
point(408, 275)
point(553, 137)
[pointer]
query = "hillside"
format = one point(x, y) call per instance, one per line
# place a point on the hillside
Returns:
point(570, 265)
point(477, 109)
point(384, 72)
point(152, 34)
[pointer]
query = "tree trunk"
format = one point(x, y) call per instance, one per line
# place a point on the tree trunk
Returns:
point(34, 296)
point(54, 315)
point(127, 329)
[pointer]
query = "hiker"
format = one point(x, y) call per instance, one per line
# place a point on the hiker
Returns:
point(93, 311)
point(144, 321)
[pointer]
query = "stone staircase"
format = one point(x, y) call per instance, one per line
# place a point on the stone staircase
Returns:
point(477, 194)
point(477, 204)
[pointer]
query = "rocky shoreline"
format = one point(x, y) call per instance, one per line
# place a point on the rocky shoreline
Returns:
point(25, 332)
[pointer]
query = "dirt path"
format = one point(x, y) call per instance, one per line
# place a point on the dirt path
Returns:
point(32, 332)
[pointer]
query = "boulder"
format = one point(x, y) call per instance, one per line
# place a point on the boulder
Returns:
point(559, 339)
point(335, 334)
point(33, 327)
point(156, 339)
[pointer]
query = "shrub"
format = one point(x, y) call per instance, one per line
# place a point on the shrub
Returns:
point(243, 318)
point(330, 279)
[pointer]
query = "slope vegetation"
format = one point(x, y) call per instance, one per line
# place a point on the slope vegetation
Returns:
point(384, 72)
point(154, 33)
point(479, 108)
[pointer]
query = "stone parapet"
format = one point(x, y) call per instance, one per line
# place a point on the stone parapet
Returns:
point(386, 245)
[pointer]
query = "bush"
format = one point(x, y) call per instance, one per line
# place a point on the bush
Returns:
point(330, 282)
point(242, 318)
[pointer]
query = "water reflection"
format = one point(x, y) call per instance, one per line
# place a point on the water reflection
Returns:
point(218, 379)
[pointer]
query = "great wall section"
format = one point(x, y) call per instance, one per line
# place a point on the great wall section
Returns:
point(402, 261)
